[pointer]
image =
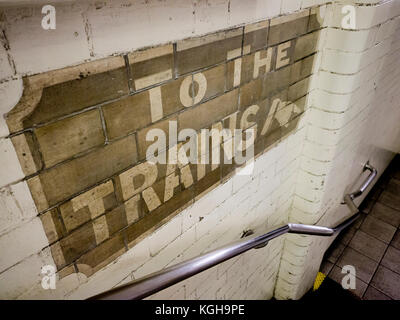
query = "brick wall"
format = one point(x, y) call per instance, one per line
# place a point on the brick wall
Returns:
point(79, 134)
point(351, 119)
point(78, 199)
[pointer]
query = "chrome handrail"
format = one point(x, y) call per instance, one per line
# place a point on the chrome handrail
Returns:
point(162, 279)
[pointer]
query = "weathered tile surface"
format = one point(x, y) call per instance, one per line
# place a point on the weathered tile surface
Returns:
point(391, 200)
point(65, 138)
point(364, 266)
point(396, 240)
point(256, 35)
point(172, 97)
point(391, 195)
point(65, 98)
point(316, 18)
point(72, 246)
point(373, 294)
point(103, 254)
point(367, 245)
point(288, 27)
point(52, 225)
point(152, 66)
point(212, 79)
point(334, 253)
point(197, 53)
point(302, 69)
point(379, 229)
point(386, 214)
point(306, 45)
point(88, 205)
point(145, 136)
point(391, 260)
point(90, 127)
point(157, 216)
point(387, 282)
point(337, 276)
point(127, 115)
point(326, 267)
point(211, 111)
point(27, 152)
point(63, 181)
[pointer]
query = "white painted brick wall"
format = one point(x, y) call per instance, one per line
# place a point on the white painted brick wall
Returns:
point(6, 68)
point(10, 93)
point(225, 215)
point(290, 5)
point(95, 26)
point(86, 31)
point(24, 275)
point(346, 114)
point(10, 170)
point(50, 49)
point(16, 206)
point(21, 242)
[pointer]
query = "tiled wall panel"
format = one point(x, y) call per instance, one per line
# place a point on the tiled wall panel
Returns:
point(109, 216)
point(81, 133)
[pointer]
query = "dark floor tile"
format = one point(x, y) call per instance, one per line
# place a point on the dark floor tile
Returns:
point(390, 200)
point(337, 275)
point(391, 259)
point(395, 167)
point(378, 229)
point(334, 252)
point(367, 205)
point(326, 267)
point(346, 235)
point(396, 240)
point(393, 187)
point(375, 193)
point(384, 179)
point(387, 281)
point(357, 224)
point(364, 266)
point(386, 214)
point(373, 294)
point(367, 245)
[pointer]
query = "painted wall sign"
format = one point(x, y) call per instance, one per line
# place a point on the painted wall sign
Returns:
point(114, 148)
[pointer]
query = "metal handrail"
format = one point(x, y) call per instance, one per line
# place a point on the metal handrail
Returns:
point(162, 279)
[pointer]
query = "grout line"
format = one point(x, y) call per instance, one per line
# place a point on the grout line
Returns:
point(104, 126)
point(129, 74)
